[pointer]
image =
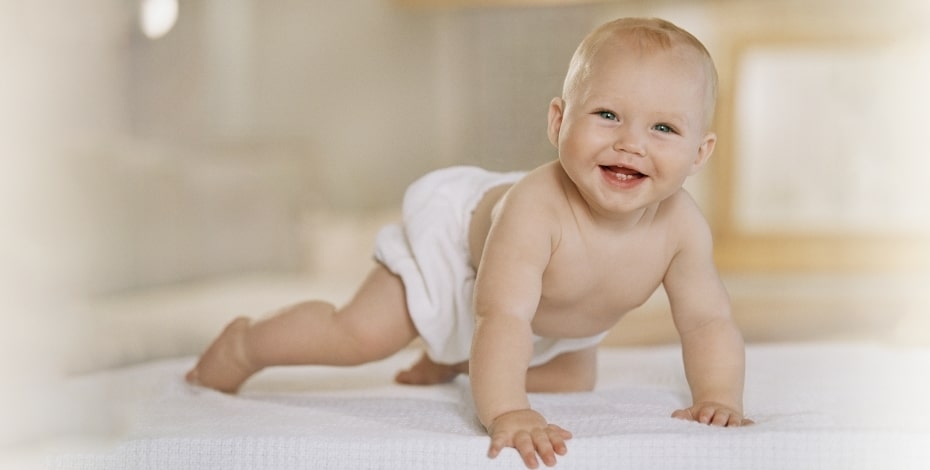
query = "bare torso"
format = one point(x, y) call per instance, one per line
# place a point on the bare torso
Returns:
point(594, 276)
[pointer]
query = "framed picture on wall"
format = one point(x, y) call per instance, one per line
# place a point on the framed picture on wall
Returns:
point(827, 159)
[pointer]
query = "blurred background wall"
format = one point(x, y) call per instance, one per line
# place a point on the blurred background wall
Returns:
point(253, 126)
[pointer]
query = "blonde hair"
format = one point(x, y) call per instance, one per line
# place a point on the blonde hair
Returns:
point(644, 34)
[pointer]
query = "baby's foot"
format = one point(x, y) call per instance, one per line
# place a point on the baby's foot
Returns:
point(427, 372)
point(225, 365)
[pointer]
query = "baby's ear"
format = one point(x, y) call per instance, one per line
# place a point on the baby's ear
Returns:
point(704, 152)
point(556, 110)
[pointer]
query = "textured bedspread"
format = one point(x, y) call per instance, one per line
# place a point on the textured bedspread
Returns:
point(816, 406)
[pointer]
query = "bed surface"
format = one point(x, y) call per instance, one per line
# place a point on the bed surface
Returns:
point(815, 405)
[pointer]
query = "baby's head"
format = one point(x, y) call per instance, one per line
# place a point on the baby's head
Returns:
point(639, 36)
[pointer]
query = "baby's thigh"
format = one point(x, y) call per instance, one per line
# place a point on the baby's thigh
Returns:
point(377, 315)
point(574, 371)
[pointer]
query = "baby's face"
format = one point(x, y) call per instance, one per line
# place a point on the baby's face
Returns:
point(634, 129)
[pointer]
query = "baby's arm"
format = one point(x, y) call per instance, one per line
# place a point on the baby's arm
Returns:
point(712, 346)
point(507, 293)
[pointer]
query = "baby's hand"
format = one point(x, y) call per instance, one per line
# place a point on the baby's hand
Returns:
point(712, 413)
point(529, 433)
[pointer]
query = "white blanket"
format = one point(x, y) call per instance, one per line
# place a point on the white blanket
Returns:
point(815, 406)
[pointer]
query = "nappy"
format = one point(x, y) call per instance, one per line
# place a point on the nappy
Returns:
point(430, 253)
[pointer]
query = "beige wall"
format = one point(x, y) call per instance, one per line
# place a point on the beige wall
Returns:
point(127, 157)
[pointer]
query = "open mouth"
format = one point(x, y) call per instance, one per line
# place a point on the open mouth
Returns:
point(622, 173)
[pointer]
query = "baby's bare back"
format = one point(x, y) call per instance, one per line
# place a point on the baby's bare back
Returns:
point(595, 274)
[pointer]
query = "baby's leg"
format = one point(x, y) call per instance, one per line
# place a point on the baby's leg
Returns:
point(574, 371)
point(225, 365)
point(568, 372)
point(427, 372)
point(373, 325)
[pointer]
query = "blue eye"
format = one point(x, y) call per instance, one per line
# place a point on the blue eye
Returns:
point(607, 115)
point(663, 128)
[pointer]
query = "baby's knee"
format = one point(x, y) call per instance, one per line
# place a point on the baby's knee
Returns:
point(584, 380)
point(556, 377)
point(579, 369)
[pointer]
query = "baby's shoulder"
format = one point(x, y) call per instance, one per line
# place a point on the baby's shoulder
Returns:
point(539, 188)
point(545, 176)
point(681, 216)
point(680, 205)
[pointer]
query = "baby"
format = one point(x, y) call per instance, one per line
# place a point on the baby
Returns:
point(514, 278)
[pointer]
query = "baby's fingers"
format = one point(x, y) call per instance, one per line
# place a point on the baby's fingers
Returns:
point(532, 446)
point(558, 436)
point(498, 443)
point(721, 418)
point(546, 441)
point(521, 441)
point(683, 414)
point(560, 432)
point(713, 415)
point(706, 414)
point(526, 447)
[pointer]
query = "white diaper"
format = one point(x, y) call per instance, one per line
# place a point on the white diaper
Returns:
point(430, 253)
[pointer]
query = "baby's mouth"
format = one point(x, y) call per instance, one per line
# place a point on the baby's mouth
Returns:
point(622, 173)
